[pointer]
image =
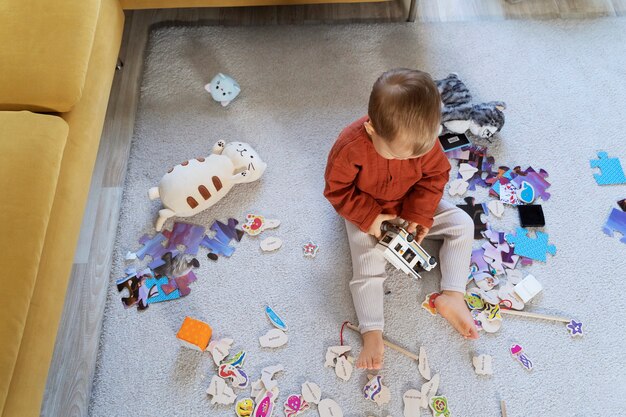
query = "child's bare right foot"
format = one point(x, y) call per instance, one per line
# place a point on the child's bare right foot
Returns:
point(451, 305)
point(371, 356)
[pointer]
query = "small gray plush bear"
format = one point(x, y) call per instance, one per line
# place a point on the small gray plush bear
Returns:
point(458, 115)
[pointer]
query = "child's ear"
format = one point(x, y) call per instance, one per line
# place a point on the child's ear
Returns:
point(369, 128)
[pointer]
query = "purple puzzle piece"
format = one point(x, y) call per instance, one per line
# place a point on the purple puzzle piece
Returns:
point(493, 235)
point(616, 223)
point(152, 246)
point(536, 179)
point(180, 283)
point(186, 234)
point(159, 261)
point(224, 233)
point(478, 262)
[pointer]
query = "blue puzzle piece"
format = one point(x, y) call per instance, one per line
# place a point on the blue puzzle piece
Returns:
point(531, 248)
point(612, 172)
point(224, 233)
point(616, 223)
point(160, 294)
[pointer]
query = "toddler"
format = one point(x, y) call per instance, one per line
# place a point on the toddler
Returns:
point(389, 166)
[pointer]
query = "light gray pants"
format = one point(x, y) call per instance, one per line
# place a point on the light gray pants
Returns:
point(452, 225)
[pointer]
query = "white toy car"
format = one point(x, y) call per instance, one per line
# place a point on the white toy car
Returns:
point(403, 252)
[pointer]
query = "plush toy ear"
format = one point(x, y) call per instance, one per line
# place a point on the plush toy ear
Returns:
point(500, 105)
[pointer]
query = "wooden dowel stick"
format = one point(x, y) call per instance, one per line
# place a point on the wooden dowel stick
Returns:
point(534, 315)
point(503, 408)
point(389, 344)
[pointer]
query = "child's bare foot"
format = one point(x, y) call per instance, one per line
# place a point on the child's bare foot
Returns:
point(371, 356)
point(451, 305)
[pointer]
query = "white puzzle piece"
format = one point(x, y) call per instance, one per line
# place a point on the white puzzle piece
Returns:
point(271, 243)
point(467, 171)
point(376, 391)
point(483, 364)
point(412, 403)
point(219, 349)
point(311, 392)
point(257, 388)
point(343, 368)
point(509, 298)
point(220, 392)
point(273, 339)
point(333, 352)
point(423, 366)
point(490, 326)
point(267, 376)
point(458, 187)
point(329, 408)
point(496, 207)
point(429, 390)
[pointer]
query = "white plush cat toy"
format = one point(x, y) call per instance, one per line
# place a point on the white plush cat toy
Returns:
point(197, 184)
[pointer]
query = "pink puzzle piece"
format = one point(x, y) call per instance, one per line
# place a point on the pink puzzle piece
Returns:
point(180, 283)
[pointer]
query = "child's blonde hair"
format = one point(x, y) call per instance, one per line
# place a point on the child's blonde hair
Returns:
point(406, 102)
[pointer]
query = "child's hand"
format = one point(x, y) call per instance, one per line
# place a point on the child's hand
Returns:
point(419, 230)
point(374, 229)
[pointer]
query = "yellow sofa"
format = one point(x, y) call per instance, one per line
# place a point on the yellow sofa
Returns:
point(56, 68)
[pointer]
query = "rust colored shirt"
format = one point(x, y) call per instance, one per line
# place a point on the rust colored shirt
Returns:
point(361, 184)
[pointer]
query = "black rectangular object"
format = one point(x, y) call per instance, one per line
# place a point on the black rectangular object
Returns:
point(531, 215)
point(451, 141)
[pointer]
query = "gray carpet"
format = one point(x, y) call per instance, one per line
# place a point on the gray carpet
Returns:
point(564, 83)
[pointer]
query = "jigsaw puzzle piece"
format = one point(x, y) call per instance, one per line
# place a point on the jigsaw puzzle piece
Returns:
point(476, 212)
point(537, 180)
point(217, 247)
point(153, 246)
point(528, 247)
point(616, 223)
point(160, 294)
point(611, 168)
point(189, 235)
point(227, 232)
point(180, 283)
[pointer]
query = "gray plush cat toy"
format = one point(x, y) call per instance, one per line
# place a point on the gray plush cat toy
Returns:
point(458, 115)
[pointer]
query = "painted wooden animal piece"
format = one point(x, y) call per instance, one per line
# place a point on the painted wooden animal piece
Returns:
point(197, 184)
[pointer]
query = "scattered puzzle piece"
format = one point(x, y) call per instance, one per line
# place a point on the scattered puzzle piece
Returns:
point(153, 246)
point(536, 179)
point(412, 403)
point(220, 392)
point(311, 392)
point(244, 407)
point(616, 223)
point(189, 235)
point(531, 248)
point(518, 354)
point(310, 249)
point(423, 365)
point(180, 283)
point(429, 303)
point(343, 368)
point(255, 224)
point(496, 208)
point(160, 295)
point(329, 408)
point(612, 172)
point(458, 187)
point(622, 204)
point(275, 319)
point(476, 212)
point(273, 339)
point(375, 391)
point(265, 404)
point(239, 377)
point(575, 328)
point(294, 405)
point(219, 349)
point(429, 390)
point(219, 244)
point(439, 405)
point(467, 171)
point(271, 244)
point(237, 360)
point(267, 376)
point(482, 364)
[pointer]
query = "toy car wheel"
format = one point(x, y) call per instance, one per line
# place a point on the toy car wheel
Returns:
point(432, 260)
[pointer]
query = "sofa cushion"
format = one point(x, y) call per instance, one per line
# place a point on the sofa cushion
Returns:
point(31, 149)
point(45, 51)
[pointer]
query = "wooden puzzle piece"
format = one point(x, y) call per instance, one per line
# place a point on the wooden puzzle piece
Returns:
point(187, 234)
point(295, 405)
point(273, 339)
point(467, 171)
point(219, 349)
point(265, 404)
point(473, 300)
point(531, 248)
point(375, 391)
point(423, 365)
point(483, 364)
point(412, 402)
point(616, 223)
point(329, 408)
point(267, 375)
point(333, 352)
point(343, 368)
point(490, 326)
point(490, 296)
point(275, 319)
point(518, 354)
point(257, 388)
point(311, 392)
point(476, 212)
point(271, 244)
point(458, 187)
point(429, 303)
point(255, 224)
point(528, 288)
point(514, 276)
point(237, 360)
point(310, 249)
point(439, 406)
point(496, 208)
point(611, 170)
point(244, 407)
point(508, 297)
point(237, 375)
point(220, 392)
point(575, 328)
point(429, 390)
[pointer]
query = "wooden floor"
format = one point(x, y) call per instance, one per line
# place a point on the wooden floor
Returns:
point(72, 370)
